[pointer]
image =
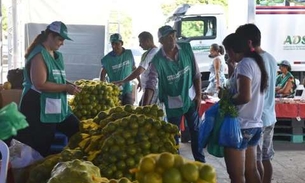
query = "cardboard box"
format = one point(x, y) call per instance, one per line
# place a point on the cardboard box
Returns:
point(8, 96)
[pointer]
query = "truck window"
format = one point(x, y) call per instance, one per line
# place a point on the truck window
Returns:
point(199, 27)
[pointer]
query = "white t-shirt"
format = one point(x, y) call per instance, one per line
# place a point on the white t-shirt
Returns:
point(250, 114)
point(145, 64)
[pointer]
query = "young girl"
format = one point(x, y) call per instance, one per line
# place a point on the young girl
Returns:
point(247, 84)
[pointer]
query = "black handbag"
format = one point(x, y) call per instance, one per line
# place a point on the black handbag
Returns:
point(15, 77)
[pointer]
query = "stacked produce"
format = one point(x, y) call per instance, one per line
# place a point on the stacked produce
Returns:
point(95, 96)
point(41, 171)
point(116, 140)
point(76, 171)
point(173, 168)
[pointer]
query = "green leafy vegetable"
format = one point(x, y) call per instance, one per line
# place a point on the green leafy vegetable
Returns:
point(227, 108)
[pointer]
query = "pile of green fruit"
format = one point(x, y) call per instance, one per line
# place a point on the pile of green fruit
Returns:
point(116, 140)
point(76, 171)
point(41, 170)
point(95, 96)
point(173, 168)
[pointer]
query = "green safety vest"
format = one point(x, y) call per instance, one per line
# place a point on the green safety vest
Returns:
point(175, 80)
point(53, 106)
point(118, 67)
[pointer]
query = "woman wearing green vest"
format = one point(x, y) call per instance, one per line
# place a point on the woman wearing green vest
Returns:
point(285, 82)
point(176, 72)
point(44, 98)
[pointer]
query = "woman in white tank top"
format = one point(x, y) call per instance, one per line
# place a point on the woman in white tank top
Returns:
point(217, 76)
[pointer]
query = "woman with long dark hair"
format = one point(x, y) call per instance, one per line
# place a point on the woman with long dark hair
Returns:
point(247, 85)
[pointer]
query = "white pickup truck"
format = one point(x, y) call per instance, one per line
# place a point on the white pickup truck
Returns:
point(281, 24)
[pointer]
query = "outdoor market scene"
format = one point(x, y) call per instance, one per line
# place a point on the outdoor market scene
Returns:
point(163, 91)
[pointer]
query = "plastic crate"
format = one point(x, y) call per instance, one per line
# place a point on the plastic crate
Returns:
point(289, 138)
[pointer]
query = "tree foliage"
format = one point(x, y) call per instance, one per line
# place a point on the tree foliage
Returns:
point(168, 8)
point(4, 18)
point(121, 22)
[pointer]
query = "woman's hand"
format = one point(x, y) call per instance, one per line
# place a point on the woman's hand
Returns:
point(217, 86)
point(72, 89)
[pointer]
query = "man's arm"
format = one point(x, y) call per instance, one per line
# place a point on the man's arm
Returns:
point(147, 96)
point(150, 84)
point(138, 77)
point(197, 86)
point(103, 74)
point(135, 74)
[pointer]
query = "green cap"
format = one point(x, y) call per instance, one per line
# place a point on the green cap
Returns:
point(165, 30)
point(59, 28)
point(116, 38)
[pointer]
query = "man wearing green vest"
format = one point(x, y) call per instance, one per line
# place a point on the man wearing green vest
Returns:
point(44, 97)
point(176, 72)
point(118, 64)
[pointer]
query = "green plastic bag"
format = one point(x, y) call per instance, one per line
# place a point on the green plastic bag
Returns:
point(11, 120)
point(213, 146)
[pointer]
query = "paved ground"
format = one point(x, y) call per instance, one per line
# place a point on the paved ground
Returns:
point(288, 163)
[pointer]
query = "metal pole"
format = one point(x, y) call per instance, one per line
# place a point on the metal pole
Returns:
point(15, 34)
point(251, 11)
point(10, 35)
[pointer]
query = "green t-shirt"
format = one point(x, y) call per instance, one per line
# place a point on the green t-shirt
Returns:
point(175, 80)
point(54, 106)
point(118, 67)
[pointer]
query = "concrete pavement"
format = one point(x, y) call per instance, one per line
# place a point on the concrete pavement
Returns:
point(288, 163)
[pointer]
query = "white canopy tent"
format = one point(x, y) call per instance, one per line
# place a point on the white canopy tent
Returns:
point(27, 18)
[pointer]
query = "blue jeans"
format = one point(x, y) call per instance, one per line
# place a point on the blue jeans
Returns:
point(192, 120)
point(251, 137)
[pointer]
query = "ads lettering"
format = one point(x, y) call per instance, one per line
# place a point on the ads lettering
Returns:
point(292, 40)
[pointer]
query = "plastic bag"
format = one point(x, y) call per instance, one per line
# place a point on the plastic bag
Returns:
point(206, 126)
point(22, 155)
point(76, 171)
point(230, 134)
point(214, 148)
point(11, 120)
